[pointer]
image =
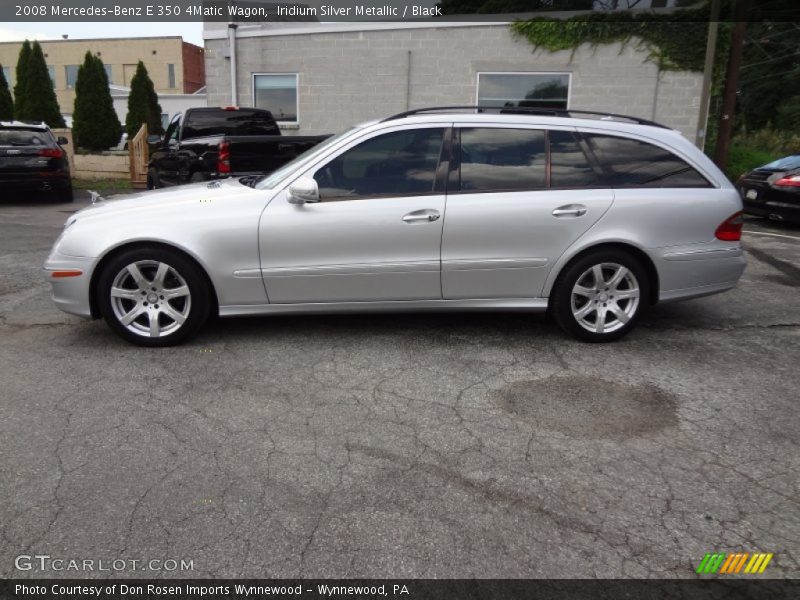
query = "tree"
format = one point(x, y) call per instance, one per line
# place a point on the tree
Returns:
point(143, 106)
point(6, 103)
point(22, 80)
point(788, 117)
point(95, 125)
point(40, 103)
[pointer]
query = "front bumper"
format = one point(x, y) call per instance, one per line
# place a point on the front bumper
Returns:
point(70, 293)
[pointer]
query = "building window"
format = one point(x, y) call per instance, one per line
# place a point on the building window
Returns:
point(109, 73)
point(7, 74)
point(277, 93)
point(171, 75)
point(530, 90)
point(71, 72)
point(52, 71)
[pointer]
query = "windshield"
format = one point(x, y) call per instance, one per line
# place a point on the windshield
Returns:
point(786, 163)
point(276, 177)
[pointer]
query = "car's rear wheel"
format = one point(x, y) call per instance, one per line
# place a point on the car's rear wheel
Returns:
point(153, 297)
point(66, 195)
point(600, 297)
point(152, 179)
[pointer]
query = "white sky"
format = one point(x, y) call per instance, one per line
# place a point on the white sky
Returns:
point(12, 32)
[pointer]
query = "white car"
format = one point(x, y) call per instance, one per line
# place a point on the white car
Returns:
point(434, 209)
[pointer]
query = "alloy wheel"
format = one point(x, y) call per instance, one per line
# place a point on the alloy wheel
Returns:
point(150, 298)
point(605, 297)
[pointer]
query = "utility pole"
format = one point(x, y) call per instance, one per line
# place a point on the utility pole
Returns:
point(731, 84)
point(708, 73)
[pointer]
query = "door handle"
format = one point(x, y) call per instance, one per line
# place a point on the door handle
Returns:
point(427, 215)
point(570, 210)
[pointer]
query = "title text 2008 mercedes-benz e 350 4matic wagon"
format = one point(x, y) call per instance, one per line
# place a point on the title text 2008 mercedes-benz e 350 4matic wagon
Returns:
point(594, 217)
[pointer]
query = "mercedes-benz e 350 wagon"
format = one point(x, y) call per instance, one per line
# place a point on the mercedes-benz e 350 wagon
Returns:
point(592, 217)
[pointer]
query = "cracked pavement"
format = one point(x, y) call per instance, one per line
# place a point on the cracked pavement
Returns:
point(458, 445)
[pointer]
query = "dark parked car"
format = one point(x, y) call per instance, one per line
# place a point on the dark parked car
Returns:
point(213, 143)
point(773, 190)
point(32, 160)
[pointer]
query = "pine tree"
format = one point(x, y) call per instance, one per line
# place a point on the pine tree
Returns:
point(40, 103)
point(22, 80)
point(143, 106)
point(95, 125)
point(6, 103)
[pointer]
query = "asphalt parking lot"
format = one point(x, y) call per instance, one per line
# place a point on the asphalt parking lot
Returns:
point(464, 445)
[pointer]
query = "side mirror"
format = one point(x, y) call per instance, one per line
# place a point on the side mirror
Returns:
point(62, 141)
point(304, 190)
point(153, 139)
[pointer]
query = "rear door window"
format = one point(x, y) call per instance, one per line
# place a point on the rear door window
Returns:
point(500, 159)
point(569, 165)
point(632, 163)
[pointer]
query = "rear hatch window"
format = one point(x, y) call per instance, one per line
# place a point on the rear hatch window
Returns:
point(201, 123)
point(18, 136)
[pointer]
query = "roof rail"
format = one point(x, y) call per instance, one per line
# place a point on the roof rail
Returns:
point(524, 110)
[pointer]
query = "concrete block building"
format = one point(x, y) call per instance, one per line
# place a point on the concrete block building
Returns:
point(325, 77)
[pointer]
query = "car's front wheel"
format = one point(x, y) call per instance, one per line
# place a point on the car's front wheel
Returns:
point(600, 297)
point(153, 297)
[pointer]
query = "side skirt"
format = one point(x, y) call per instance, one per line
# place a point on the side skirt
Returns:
point(495, 304)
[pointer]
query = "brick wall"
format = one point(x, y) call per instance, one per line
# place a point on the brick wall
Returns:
point(350, 77)
point(194, 68)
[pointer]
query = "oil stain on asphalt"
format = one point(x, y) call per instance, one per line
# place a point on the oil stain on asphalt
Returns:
point(589, 407)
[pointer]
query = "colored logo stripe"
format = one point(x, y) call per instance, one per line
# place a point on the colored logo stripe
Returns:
point(731, 563)
point(758, 563)
point(711, 563)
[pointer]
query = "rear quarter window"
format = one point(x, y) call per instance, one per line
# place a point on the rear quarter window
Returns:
point(630, 163)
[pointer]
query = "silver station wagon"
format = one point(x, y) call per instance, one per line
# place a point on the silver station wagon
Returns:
point(591, 217)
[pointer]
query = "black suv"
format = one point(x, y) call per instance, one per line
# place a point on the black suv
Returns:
point(32, 160)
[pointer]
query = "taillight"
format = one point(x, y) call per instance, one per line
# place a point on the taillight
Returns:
point(789, 181)
point(230, 108)
point(224, 158)
point(730, 230)
point(51, 152)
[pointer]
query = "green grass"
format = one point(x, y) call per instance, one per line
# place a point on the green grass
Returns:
point(101, 184)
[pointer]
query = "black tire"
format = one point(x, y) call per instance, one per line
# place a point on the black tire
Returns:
point(66, 195)
point(152, 180)
point(195, 313)
point(561, 299)
point(197, 177)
